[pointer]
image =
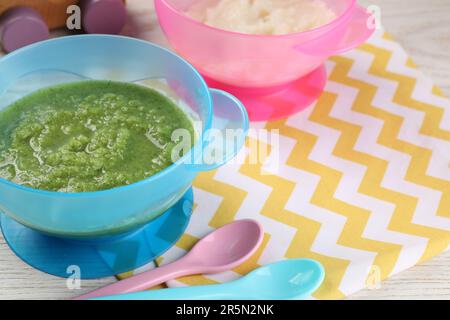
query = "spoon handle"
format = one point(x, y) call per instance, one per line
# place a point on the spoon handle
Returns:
point(208, 292)
point(145, 280)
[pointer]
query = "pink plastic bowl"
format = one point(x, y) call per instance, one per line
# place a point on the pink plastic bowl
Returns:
point(273, 76)
point(259, 62)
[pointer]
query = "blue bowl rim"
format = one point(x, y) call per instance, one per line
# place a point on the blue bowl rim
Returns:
point(140, 182)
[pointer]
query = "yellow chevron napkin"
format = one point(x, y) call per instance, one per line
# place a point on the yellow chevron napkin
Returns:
point(363, 183)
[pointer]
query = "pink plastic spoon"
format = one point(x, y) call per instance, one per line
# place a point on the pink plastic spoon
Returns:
point(222, 250)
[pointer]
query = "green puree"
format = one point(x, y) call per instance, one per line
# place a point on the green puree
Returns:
point(88, 136)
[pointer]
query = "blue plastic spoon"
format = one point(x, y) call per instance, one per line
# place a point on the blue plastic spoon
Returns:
point(284, 280)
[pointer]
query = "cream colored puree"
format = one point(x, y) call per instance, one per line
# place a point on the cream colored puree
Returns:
point(264, 17)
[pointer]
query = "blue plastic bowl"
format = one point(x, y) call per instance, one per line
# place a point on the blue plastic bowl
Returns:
point(115, 211)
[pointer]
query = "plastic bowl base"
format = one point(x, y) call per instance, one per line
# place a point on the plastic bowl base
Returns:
point(98, 258)
point(276, 103)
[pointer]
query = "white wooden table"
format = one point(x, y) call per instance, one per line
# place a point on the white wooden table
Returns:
point(423, 27)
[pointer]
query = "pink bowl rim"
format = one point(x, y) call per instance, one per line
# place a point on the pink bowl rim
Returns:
point(326, 27)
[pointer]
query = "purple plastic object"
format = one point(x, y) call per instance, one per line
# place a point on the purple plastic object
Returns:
point(21, 26)
point(103, 16)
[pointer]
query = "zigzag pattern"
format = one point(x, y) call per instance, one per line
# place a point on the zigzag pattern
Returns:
point(409, 132)
point(352, 175)
point(420, 156)
point(227, 210)
point(307, 229)
point(405, 204)
point(424, 92)
point(381, 211)
point(407, 85)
